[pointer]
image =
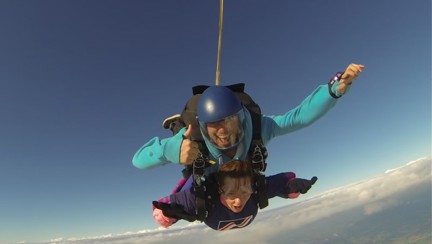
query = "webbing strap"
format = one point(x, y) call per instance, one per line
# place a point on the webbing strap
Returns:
point(259, 155)
point(259, 166)
point(261, 191)
point(199, 187)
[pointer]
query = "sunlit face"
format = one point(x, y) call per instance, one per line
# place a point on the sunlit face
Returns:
point(224, 133)
point(236, 192)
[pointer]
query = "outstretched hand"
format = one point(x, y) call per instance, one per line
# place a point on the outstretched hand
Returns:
point(174, 211)
point(300, 185)
point(189, 149)
point(350, 74)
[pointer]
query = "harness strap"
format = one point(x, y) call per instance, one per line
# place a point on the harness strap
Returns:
point(199, 165)
point(260, 195)
point(258, 154)
point(259, 166)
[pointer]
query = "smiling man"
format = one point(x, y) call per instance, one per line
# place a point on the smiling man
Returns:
point(227, 125)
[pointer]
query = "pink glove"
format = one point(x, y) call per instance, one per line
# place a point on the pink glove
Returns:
point(161, 219)
point(294, 195)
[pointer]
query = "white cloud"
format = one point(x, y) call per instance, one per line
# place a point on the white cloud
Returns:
point(376, 207)
point(373, 195)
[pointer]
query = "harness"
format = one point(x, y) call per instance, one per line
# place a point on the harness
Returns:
point(257, 151)
point(257, 154)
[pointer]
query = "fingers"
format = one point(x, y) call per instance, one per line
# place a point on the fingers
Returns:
point(313, 180)
point(351, 73)
point(355, 68)
point(189, 151)
point(306, 186)
point(155, 204)
point(159, 205)
point(188, 132)
point(301, 185)
point(189, 144)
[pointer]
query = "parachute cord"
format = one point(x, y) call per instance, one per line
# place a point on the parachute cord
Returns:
point(219, 43)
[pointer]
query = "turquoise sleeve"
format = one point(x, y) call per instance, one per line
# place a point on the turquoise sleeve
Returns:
point(158, 152)
point(335, 86)
point(310, 110)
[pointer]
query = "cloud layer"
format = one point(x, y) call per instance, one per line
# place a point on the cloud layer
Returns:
point(372, 196)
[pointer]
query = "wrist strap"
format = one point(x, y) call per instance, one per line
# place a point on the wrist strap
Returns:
point(333, 80)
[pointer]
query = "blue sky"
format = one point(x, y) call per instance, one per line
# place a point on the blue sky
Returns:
point(83, 84)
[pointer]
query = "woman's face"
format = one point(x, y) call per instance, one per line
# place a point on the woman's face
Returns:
point(236, 192)
point(224, 133)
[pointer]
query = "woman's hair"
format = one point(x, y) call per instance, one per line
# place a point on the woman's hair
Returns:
point(235, 169)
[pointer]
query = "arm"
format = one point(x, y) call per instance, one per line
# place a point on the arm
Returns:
point(181, 205)
point(312, 108)
point(158, 152)
point(175, 149)
point(286, 185)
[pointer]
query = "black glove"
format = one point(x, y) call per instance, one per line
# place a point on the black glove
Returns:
point(300, 185)
point(175, 211)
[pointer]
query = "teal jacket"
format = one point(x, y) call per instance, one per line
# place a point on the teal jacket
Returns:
point(158, 152)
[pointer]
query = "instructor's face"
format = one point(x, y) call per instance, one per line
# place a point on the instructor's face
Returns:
point(224, 133)
point(236, 192)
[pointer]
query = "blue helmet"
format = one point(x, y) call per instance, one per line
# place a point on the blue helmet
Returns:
point(219, 107)
point(217, 103)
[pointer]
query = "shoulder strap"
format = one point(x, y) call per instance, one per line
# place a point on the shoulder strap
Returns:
point(258, 155)
point(204, 185)
point(257, 151)
point(199, 187)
